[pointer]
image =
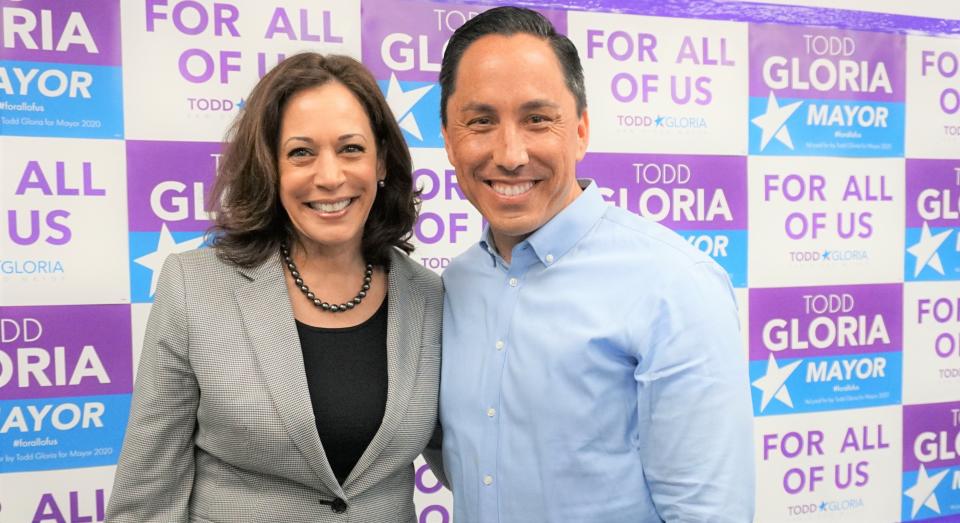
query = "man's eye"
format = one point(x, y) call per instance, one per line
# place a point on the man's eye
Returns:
point(483, 120)
point(538, 118)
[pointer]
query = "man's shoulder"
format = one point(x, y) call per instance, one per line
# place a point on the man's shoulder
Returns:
point(651, 239)
point(664, 264)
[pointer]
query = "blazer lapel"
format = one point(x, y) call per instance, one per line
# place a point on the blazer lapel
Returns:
point(404, 323)
point(268, 319)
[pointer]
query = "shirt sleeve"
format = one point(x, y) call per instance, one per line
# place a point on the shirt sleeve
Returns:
point(694, 407)
point(155, 472)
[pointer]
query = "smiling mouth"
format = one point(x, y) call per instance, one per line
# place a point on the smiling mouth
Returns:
point(330, 207)
point(510, 189)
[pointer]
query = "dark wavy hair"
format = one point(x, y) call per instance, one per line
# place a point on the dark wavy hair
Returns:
point(508, 21)
point(251, 223)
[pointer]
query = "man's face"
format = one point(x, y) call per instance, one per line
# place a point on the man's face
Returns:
point(513, 134)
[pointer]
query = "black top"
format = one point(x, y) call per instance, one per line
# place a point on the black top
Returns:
point(347, 377)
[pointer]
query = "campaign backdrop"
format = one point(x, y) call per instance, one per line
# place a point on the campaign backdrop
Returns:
point(814, 153)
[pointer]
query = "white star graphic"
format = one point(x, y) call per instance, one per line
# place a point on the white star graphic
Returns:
point(926, 249)
point(922, 491)
point(401, 102)
point(773, 383)
point(166, 246)
point(773, 122)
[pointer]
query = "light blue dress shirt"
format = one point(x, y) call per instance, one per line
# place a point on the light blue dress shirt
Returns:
point(598, 377)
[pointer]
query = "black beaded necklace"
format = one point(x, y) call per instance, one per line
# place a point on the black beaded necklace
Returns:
point(317, 302)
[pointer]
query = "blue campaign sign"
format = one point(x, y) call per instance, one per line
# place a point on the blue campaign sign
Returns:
point(61, 100)
point(802, 127)
point(416, 106)
point(931, 254)
point(796, 385)
point(58, 433)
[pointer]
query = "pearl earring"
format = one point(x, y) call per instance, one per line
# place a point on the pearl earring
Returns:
point(381, 184)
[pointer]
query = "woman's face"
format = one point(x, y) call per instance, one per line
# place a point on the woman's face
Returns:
point(328, 167)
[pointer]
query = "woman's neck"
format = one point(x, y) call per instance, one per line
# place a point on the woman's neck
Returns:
point(327, 260)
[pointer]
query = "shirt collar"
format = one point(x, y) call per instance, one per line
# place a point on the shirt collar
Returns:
point(556, 237)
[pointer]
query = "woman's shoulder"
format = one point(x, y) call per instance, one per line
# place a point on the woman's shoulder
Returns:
point(203, 267)
point(203, 259)
point(419, 275)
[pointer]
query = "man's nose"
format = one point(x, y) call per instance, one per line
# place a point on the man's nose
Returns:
point(511, 151)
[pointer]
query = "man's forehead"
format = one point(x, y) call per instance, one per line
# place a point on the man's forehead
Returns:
point(496, 50)
point(510, 75)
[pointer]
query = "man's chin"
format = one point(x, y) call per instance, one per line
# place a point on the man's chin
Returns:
point(513, 231)
point(513, 228)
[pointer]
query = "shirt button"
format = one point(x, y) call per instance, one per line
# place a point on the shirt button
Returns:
point(488, 480)
point(491, 412)
point(513, 282)
point(549, 258)
point(499, 345)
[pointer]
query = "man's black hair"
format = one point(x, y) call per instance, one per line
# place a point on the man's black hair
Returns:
point(508, 21)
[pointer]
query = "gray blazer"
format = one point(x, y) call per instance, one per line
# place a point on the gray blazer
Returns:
point(221, 426)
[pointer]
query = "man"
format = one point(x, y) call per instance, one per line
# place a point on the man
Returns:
point(592, 362)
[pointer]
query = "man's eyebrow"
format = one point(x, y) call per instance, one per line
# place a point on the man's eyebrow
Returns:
point(539, 104)
point(477, 107)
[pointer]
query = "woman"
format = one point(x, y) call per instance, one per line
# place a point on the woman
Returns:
point(290, 372)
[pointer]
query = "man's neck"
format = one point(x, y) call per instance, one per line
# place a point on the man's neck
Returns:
point(504, 244)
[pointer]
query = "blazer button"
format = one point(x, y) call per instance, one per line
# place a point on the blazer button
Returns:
point(339, 506)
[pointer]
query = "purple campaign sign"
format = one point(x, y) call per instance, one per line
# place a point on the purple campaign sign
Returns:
point(930, 435)
point(168, 182)
point(682, 192)
point(76, 32)
point(826, 64)
point(408, 38)
point(70, 350)
point(825, 321)
point(751, 11)
point(933, 193)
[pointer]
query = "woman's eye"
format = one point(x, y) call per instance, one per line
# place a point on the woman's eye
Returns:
point(353, 148)
point(298, 152)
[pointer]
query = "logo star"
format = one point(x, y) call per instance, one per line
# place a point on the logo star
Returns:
point(826, 255)
point(166, 246)
point(823, 506)
point(401, 102)
point(925, 250)
point(773, 384)
point(922, 491)
point(241, 103)
point(773, 122)
point(659, 121)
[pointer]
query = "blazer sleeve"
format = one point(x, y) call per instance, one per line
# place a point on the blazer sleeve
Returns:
point(155, 473)
point(433, 455)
